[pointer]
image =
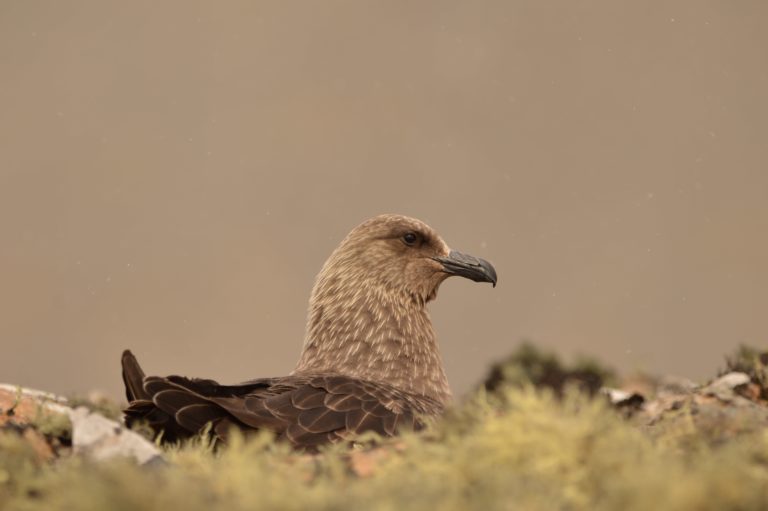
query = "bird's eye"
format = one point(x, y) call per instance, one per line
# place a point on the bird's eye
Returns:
point(410, 238)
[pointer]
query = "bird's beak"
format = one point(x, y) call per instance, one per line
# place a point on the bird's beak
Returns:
point(465, 265)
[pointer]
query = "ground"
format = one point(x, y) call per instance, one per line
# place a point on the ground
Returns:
point(518, 445)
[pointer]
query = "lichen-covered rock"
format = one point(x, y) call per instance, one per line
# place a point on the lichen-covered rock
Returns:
point(723, 409)
point(53, 428)
point(37, 417)
point(726, 387)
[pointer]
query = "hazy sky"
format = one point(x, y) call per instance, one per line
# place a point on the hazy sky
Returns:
point(173, 175)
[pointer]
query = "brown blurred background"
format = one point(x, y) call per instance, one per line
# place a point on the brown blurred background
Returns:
point(173, 175)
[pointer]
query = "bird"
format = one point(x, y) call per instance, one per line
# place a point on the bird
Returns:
point(369, 362)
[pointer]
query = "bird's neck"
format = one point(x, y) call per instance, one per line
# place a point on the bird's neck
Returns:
point(368, 334)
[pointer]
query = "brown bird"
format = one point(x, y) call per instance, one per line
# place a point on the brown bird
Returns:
point(370, 360)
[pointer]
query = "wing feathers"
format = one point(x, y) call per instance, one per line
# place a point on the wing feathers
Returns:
point(173, 400)
point(133, 377)
point(341, 402)
point(321, 420)
point(308, 397)
point(197, 416)
point(308, 411)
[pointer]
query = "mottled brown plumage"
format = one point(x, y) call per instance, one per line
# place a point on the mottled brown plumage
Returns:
point(370, 360)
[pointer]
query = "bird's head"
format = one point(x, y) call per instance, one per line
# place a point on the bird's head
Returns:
point(402, 255)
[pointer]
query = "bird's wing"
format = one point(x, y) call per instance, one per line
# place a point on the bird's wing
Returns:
point(310, 411)
point(175, 406)
point(307, 411)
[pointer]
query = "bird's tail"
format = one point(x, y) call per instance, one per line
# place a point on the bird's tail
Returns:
point(133, 377)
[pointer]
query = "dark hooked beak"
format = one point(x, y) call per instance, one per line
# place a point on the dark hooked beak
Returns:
point(465, 265)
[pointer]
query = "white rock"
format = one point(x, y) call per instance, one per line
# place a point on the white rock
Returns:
point(723, 387)
point(93, 435)
point(99, 438)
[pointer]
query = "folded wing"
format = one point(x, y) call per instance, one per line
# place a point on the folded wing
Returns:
point(307, 410)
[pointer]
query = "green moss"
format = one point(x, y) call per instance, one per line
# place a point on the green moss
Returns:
point(20, 467)
point(530, 364)
point(52, 425)
point(534, 451)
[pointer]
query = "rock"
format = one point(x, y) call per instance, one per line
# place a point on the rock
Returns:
point(44, 419)
point(675, 385)
point(623, 399)
point(100, 438)
point(30, 415)
point(721, 410)
point(725, 387)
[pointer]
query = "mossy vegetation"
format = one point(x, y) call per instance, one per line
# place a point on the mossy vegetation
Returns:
point(520, 447)
point(531, 365)
point(753, 362)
